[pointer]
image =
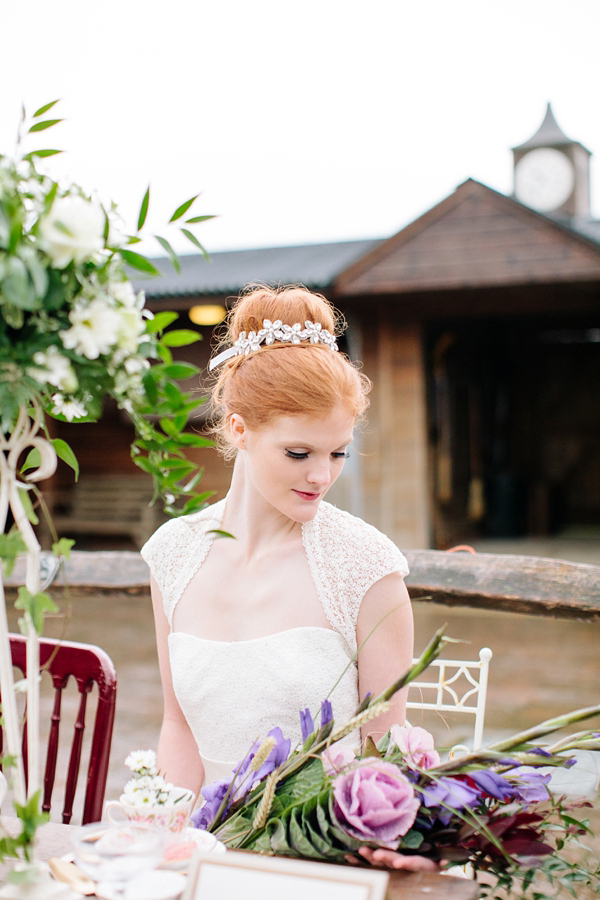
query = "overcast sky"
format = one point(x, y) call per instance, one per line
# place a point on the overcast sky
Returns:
point(299, 122)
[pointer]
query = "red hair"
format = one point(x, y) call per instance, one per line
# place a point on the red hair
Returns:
point(282, 379)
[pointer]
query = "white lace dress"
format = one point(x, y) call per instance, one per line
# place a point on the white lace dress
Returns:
point(232, 693)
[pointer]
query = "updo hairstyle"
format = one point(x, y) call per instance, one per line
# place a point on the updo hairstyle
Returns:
point(282, 379)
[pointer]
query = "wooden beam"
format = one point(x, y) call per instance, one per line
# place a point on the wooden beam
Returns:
point(523, 584)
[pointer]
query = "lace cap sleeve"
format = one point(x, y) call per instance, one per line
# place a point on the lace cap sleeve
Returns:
point(176, 551)
point(347, 557)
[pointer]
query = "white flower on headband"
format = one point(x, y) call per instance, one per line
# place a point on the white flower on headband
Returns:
point(292, 333)
point(271, 331)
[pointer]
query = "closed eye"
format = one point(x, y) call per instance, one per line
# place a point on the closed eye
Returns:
point(343, 454)
point(295, 455)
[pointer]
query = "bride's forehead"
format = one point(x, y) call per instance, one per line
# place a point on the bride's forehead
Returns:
point(336, 426)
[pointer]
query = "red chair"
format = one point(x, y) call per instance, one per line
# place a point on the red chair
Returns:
point(89, 666)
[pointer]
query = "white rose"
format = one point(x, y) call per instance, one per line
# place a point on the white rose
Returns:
point(94, 330)
point(72, 231)
point(123, 292)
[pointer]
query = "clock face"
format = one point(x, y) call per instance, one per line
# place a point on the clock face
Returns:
point(544, 179)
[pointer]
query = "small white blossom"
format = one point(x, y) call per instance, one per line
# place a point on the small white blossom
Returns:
point(95, 328)
point(55, 369)
point(72, 231)
point(142, 761)
point(70, 409)
point(122, 292)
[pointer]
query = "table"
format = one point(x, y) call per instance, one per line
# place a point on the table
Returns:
point(53, 840)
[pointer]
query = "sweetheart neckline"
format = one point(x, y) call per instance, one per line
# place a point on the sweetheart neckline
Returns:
point(264, 637)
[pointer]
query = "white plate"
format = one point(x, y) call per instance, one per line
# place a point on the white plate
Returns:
point(153, 885)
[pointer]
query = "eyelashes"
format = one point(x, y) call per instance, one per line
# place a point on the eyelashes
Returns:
point(294, 455)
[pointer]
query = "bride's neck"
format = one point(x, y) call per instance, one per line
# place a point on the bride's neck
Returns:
point(251, 518)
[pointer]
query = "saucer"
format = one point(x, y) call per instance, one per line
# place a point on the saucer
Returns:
point(154, 885)
point(192, 841)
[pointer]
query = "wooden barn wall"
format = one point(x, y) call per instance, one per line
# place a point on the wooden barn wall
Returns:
point(394, 441)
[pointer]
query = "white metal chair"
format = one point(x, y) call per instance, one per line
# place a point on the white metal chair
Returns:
point(455, 686)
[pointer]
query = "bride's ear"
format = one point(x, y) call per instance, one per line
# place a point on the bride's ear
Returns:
point(238, 431)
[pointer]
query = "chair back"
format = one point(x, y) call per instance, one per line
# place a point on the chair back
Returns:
point(455, 686)
point(88, 666)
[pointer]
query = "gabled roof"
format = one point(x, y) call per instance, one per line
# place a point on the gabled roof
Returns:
point(476, 237)
point(314, 265)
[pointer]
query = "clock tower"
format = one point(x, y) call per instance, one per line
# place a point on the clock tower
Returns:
point(551, 172)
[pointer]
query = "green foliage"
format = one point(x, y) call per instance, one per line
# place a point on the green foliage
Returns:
point(53, 354)
point(30, 819)
point(12, 545)
point(35, 607)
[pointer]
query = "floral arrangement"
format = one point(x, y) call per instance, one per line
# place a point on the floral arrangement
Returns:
point(147, 787)
point(72, 332)
point(72, 328)
point(491, 808)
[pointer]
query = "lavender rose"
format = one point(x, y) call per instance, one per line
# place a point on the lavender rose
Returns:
point(374, 802)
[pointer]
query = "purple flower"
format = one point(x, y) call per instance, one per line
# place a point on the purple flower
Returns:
point(493, 784)
point(307, 726)
point(530, 786)
point(449, 792)
point(326, 713)
point(278, 754)
point(213, 797)
point(375, 802)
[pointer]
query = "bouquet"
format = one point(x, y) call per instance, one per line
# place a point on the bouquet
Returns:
point(491, 808)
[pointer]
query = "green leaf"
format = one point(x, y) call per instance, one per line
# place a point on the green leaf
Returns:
point(143, 209)
point(41, 126)
point(64, 452)
point(181, 370)
point(197, 219)
point(33, 460)
point(44, 109)
point(41, 153)
point(37, 605)
point(160, 321)
point(218, 532)
point(181, 337)
point(192, 237)
point(26, 501)
point(137, 261)
point(169, 428)
point(181, 210)
point(146, 465)
point(195, 440)
point(12, 545)
point(171, 253)
point(62, 547)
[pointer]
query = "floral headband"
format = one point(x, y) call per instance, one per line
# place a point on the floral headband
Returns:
point(313, 332)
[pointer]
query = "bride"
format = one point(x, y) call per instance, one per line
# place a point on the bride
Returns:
point(252, 630)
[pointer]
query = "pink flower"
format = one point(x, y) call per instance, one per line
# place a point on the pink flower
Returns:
point(336, 758)
point(416, 745)
point(375, 802)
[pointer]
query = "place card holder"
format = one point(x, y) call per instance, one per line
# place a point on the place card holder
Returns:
point(252, 876)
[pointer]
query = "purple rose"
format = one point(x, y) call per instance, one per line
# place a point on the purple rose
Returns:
point(375, 802)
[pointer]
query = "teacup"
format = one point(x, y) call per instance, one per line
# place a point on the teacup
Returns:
point(171, 817)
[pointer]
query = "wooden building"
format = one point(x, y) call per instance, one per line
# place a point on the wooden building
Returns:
point(479, 324)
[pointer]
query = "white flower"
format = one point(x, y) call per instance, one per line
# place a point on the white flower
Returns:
point(142, 798)
point(70, 409)
point(72, 231)
point(142, 761)
point(131, 327)
point(135, 365)
point(56, 370)
point(94, 330)
point(292, 333)
point(123, 292)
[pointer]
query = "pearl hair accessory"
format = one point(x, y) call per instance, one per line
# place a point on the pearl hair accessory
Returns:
point(313, 332)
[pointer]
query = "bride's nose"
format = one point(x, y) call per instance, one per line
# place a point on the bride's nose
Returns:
point(320, 474)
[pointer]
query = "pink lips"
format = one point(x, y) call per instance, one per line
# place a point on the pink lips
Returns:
point(307, 496)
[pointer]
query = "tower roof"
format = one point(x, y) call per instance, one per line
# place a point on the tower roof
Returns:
point(548, 134)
